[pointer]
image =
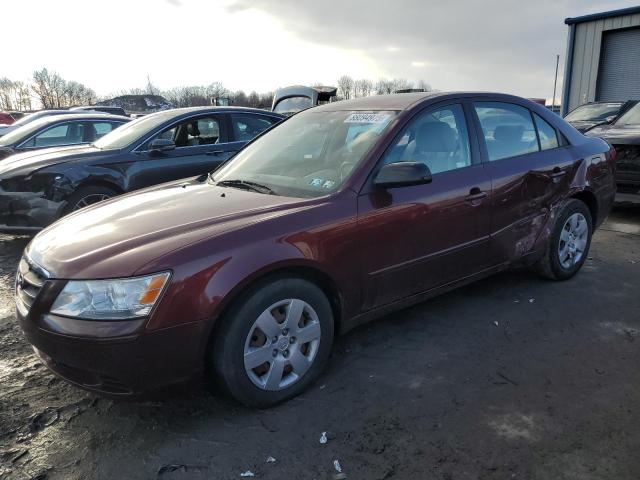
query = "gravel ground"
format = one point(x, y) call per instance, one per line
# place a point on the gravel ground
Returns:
point(511, 378)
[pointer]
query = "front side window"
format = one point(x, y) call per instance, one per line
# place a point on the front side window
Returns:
point(247, 126)
point(508, 129)
point(437, 138)
point(547, 134)
point(193, 132)
point(310, 155)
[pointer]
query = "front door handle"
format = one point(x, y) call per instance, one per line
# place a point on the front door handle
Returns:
point(215, 152)
point(475, 196)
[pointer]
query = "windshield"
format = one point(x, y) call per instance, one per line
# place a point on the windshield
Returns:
point(594, 112)
point(29, 118)
point(290, 105)
point(132, 131)
point(632, 117)
point(309, 155)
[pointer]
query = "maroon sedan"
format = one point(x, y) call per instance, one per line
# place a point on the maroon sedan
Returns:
point(340, 214)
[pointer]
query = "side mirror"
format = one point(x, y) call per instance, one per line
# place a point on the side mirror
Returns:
point(161, 145)
point(610, 119)
point(402, 174)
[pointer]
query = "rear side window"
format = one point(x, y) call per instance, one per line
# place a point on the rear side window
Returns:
point(247, 126)
point(547, 134)
point(508, 129)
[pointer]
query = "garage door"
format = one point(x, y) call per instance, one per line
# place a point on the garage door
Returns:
point(619, 73)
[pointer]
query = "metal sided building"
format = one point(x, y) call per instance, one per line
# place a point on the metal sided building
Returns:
point(603, 58)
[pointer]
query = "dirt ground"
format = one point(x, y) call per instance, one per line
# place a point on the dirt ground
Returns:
point(512, 378)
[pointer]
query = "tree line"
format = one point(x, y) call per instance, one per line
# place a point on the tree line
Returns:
point(47, 89)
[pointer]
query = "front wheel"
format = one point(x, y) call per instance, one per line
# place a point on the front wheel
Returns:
point(88, 196)
point(274, 341)
point(569, 243)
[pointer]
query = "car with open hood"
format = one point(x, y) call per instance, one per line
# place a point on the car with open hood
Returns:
point(590, 115)
point(624, 135)
point(38, 187)
point(340, 214)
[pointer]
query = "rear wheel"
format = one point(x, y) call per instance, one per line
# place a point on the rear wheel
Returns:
point(274, 342)
point(569, 243)
point(88, 196)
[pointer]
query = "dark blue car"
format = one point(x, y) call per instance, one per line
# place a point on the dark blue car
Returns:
point(37, 188)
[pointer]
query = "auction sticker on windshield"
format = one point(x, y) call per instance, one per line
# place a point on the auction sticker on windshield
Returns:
point(364, 117)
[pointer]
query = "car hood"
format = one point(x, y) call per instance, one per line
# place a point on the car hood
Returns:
point(35, 160)
point(626, 134)
point(118, 237)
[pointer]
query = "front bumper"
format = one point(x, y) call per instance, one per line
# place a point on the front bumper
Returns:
point(26, 212)
point(113, 358)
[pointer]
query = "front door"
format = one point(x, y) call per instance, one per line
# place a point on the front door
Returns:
point(419, 237)
point(201, 146)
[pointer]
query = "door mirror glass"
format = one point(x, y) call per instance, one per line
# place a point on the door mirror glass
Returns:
point(401, 174)
point(161, 145)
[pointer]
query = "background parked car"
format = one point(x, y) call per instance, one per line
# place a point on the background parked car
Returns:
point(4, 129)
point(59, 131)
point(590, 115)
point(343, 213)
point(290, 100)
point(37, 188)
point(7, 118)
point(101, 108)
point(624, 135)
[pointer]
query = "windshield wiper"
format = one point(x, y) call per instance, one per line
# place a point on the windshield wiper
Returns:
point(246, 185)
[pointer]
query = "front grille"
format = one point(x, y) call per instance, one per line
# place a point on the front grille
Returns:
point(29, 281)
point(628, 158)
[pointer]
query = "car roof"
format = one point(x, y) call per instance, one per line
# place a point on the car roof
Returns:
point(187, 110)
point(406, 101)
point(84, 116)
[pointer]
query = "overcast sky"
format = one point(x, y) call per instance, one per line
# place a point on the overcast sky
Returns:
point(498, 45)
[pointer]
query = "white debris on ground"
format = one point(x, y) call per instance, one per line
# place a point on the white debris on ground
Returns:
point(323, 438)
point(248, 473)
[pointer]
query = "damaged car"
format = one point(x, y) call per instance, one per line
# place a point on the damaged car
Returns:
point(38, 187)
point(590, 115)
point(624, 135)
point(338, 215)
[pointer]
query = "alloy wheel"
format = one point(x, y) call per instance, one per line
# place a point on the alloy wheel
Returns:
point(282, 344)
point(90, 200)
point(573, 240)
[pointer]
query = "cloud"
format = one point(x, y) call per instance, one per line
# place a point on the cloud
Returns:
point(493, 45)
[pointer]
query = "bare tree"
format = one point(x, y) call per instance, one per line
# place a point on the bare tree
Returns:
point(423, 85)
point(151, 88)
point(362, 87)
point(14, 95)
point(384, 86)
point(401, 84)
point(345, 87)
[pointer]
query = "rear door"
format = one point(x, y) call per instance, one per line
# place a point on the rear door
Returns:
point(201, 146)
point(529, 169)
point(415, 238)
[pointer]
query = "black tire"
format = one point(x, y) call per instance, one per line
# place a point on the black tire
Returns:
point(88, 193)
point(550, 266)
point(227, 354)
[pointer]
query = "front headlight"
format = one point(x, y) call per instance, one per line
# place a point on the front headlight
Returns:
point(117, 299)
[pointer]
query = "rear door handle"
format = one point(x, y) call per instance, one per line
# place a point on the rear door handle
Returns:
point(475, 196)
point(215, 152)
point(557, 174)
